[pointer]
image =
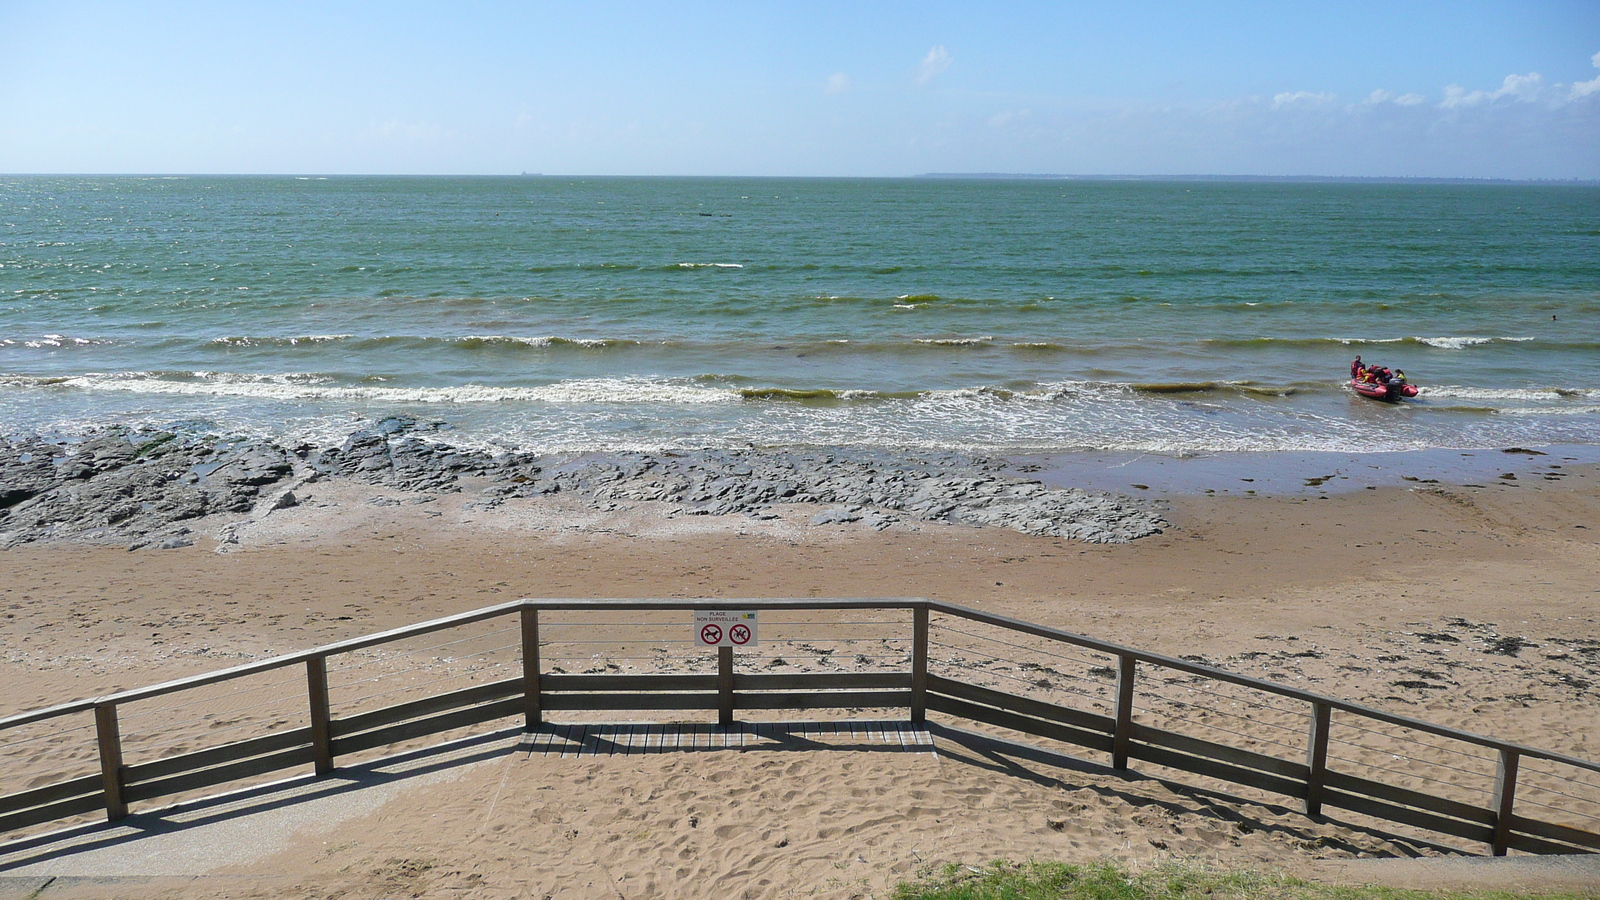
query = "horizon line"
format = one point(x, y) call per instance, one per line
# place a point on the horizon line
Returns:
point(975, 176)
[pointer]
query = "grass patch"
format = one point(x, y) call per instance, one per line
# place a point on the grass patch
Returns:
point(1171, 881)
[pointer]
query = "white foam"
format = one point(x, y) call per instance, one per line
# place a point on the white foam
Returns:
point(956, 342)
point(545, 341)
point(1549, 411)
point(685, 265)
point(293, 342)
point(54, 340)
point(297, 386)
point(1461, 392)
point(1453, 343)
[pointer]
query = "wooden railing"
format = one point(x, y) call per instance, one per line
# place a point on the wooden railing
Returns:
point(1128, 704)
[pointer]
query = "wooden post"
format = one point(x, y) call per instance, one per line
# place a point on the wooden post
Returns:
point(532, 710)
point(919, 664)
point(321, 718)
point(725, 686)
point(110, 739)
point(1317, 756)
point(1505, 792)
point(1124, 733)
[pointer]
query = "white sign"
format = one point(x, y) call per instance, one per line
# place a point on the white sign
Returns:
point(725, 628)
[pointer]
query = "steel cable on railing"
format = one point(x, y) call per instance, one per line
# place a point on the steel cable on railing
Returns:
point(1253, 738)
point(1436, 748)
point(367, 659)
point(197, 736)
point(1020, 680)
point(1567, 812)
point(1391, 753)
point(1262, 722)
point(369, 656)
point(1412, 759)
point(1525, 785)
point(346, 684)
point(831, 638)
point(1262, 704)
point(641, 661)
point(1033, 683)
point(351, 701)
point(1405, 774)
point(1346, 723)
point(1110, 658)
point(127, 712)
point(1053, 679)
point(128, 735)
point(1147, 697)
point(49, 736)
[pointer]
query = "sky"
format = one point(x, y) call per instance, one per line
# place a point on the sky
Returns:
point(1407, 88)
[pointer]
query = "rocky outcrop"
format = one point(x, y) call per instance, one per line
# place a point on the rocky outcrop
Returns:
point(118, 484)
point(140, 486)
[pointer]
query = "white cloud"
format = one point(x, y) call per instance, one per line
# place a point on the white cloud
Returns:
point(1518, 87)
point(1592, 86)
point(1382, 96)
point(937, 60)
point(838, 83)
point(1308, 98)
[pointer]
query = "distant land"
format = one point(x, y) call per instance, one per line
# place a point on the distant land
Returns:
point(1314, 179)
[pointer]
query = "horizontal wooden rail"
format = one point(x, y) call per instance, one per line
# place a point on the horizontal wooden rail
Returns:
point(51, 812)
point(1223, 675)
point(1315, 779)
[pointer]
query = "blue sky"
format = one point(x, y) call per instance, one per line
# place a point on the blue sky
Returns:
point(1285, 88)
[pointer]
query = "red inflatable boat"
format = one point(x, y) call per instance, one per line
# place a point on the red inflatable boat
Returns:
point(1392, 391)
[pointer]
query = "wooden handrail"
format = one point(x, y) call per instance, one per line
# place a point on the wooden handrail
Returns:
point(1123, 741)
point(1216, 674)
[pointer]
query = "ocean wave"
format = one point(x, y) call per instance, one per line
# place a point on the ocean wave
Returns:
point(240, 341)
point(1453, 343)
point(54, 341)
point(1549, 411)
point(711, 389)
point(1439, 343)
point(826, 394)
point(467, 342)
point(983, 340)
point(1175, 387)
point(547, 342)
point(308, 386)
point(1515, 394)
point(692, 265)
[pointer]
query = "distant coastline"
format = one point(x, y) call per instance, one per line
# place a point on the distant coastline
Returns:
point(1287, 179)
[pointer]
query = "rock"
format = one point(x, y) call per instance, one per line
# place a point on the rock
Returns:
point(834, 517)
point(117, 483)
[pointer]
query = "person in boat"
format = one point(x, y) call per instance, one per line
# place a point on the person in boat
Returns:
point(1356, 368)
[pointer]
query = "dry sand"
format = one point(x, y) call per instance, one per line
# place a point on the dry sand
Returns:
point(1469, 606)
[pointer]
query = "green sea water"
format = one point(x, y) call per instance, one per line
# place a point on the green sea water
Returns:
point(1003, 315)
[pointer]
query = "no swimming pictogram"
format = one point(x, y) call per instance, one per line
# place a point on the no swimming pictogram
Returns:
point(725, 628)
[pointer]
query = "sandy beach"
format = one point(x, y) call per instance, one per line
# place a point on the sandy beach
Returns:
point(1472, 606)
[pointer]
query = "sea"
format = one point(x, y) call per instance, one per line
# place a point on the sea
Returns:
point(1006, 316)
